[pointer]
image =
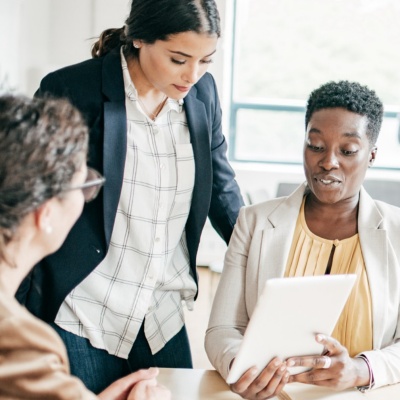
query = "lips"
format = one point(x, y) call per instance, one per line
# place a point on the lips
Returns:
point(327, 180)
point(182, 88)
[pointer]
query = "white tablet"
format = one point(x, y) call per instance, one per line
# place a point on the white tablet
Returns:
point(288, 315)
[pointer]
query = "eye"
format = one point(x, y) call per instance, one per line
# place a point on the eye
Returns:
point(207, 61)
point(314, 148)
point(349, 152)
point(179, 62)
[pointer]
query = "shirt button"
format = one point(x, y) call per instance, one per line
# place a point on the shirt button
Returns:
point(162, 166)
point(155, 129)
point(157, 239)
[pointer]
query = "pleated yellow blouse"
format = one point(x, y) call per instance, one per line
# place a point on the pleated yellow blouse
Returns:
point(309, 255)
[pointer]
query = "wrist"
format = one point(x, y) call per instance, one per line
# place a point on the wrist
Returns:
point(365, 378)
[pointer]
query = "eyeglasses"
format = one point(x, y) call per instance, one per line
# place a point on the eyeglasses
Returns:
point(92, 185)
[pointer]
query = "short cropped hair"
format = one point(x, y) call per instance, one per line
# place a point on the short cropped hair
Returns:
point(351, 96)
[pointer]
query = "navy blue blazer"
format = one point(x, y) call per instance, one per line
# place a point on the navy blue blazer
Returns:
point(96, 88)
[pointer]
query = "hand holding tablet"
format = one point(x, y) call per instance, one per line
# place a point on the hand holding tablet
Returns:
point(288, 315)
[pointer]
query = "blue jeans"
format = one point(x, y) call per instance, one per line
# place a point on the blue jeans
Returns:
point(98, 369)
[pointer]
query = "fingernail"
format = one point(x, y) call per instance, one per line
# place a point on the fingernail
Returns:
point(320, 337)
point(290, 363)
point(277, 362)
point(254, 371)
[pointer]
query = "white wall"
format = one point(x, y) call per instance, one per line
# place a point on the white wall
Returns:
point(38, 36)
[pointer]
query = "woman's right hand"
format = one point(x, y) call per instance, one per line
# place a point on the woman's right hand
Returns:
point(253, 385)
point(149, 390)
point(139, 385)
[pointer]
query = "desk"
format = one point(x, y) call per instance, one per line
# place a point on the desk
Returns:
point(200, 384)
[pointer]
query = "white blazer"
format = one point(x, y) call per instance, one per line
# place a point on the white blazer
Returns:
point(258, 250)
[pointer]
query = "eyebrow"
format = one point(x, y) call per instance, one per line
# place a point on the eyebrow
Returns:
point(346, 134)
point(188, 55)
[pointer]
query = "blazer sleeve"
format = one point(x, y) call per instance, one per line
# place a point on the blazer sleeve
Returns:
point(226, 199)
point(34, 363)
point(385, 362)
point(229, 316)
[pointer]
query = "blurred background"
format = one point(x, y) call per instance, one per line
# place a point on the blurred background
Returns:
point(272, 54)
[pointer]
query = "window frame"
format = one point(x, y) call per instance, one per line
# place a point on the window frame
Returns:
point(286, 105)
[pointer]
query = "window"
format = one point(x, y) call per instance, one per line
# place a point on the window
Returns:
point(284, 49)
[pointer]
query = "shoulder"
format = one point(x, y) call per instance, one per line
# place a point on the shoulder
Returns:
point(85, 69)
point(206, 88)
point(207, 81)
point(25, 329)
point(256, 215)
point(390, 214)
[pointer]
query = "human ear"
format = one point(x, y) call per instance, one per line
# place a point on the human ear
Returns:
point(372, 156)
point(43, 218)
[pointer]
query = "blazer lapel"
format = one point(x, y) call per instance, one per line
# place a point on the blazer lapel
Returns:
point(278, 236)
point(199, 136)
point(374, 246)
point(114, 142)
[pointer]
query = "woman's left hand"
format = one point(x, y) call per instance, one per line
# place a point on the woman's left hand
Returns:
point(335, 368)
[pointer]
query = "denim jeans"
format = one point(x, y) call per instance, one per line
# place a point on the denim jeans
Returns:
point(98, 369)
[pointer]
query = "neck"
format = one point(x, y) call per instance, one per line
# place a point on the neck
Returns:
point(138, 77)
point(10, 279)
point(346, 209)
point(150, 99)
point(23, 254)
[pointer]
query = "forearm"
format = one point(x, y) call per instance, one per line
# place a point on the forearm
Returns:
point(385, 365)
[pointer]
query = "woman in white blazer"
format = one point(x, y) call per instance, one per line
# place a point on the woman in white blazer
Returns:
point(328, 225)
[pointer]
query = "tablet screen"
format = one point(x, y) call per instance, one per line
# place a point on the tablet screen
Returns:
point(288, 315)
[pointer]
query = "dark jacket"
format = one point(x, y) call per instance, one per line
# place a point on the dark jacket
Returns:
point(96, 88)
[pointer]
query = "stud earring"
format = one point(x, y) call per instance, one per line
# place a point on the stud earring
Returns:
point(135, 45)
point(48, 229)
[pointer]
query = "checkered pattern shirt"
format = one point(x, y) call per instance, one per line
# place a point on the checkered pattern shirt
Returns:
point(145, 274)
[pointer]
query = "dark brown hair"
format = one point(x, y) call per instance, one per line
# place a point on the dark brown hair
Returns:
point(43, 142)
point(151, 20)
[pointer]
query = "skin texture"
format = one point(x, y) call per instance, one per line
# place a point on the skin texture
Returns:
point(344, 371)
point(254, 385)
point(170, 68)
point(140, 385)
point(337, 153)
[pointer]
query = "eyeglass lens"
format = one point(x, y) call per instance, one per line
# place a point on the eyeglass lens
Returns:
point(94, 182)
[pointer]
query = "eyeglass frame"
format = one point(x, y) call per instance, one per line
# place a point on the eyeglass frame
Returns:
point(99, 182)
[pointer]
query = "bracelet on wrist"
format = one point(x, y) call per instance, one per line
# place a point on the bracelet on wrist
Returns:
point(370, 385)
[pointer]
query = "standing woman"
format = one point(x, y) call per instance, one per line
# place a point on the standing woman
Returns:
point(115, 290)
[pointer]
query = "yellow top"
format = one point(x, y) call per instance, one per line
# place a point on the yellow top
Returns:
point(309, 255)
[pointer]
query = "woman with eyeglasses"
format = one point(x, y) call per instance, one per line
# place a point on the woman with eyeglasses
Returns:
point(44, 183)
point(117, 288)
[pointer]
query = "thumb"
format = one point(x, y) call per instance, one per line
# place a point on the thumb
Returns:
point(331, 345)
point(142, 374)
point(119, 389)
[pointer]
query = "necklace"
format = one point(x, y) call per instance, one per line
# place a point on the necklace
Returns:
point(152, 115)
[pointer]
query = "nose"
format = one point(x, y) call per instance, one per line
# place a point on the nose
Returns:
point(191, 74)
point(329, 161)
